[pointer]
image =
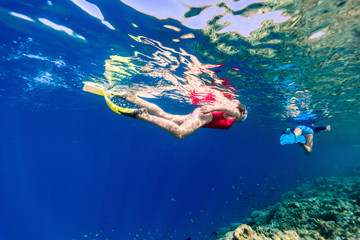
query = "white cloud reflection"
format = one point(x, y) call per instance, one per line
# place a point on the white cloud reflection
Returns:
point(236, 6)
point(176, 9)
point(18, 15)
point(60, 28)
point(161, 9)
point(93, 11)
point(244, 26)
point(200, 21)
point(317, 34)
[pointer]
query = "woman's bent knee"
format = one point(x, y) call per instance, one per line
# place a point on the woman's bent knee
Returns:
point(178, 136)
point(297, 131)
point(178, 133)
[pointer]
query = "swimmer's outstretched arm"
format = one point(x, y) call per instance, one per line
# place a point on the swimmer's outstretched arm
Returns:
point(230, 111)
point(322, 128)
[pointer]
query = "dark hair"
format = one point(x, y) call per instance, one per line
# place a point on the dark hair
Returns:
point(242, 108)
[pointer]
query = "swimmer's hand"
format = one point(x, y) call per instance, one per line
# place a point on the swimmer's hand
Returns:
point(206, 109)
point(328, 128)
point(231, 112)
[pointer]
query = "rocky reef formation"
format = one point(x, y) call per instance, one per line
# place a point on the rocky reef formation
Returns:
point(328, 208)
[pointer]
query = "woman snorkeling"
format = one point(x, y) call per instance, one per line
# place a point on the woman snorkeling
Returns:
point(219, 116)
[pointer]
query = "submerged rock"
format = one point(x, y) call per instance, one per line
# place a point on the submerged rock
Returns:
point(328, 208)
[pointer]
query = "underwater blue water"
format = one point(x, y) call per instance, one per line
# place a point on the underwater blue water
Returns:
point(70, 168)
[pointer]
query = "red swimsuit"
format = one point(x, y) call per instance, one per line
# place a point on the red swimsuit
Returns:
point(219, 122)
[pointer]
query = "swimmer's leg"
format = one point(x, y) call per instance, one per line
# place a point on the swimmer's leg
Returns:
point(190, 125)
point(309, 141)
point(152, 109)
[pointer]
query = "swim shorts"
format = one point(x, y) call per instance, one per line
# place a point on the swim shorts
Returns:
point(305, 129)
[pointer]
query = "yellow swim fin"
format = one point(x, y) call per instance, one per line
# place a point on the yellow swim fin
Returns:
point(95, 88)
point(103, 90)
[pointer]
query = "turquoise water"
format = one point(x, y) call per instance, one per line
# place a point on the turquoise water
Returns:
point(73, 169)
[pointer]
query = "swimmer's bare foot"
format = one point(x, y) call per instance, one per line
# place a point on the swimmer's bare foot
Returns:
point(141, 111)
point(134, 113)
point(138, 113)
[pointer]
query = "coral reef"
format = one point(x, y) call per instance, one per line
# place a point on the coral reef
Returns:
point(328, 208)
